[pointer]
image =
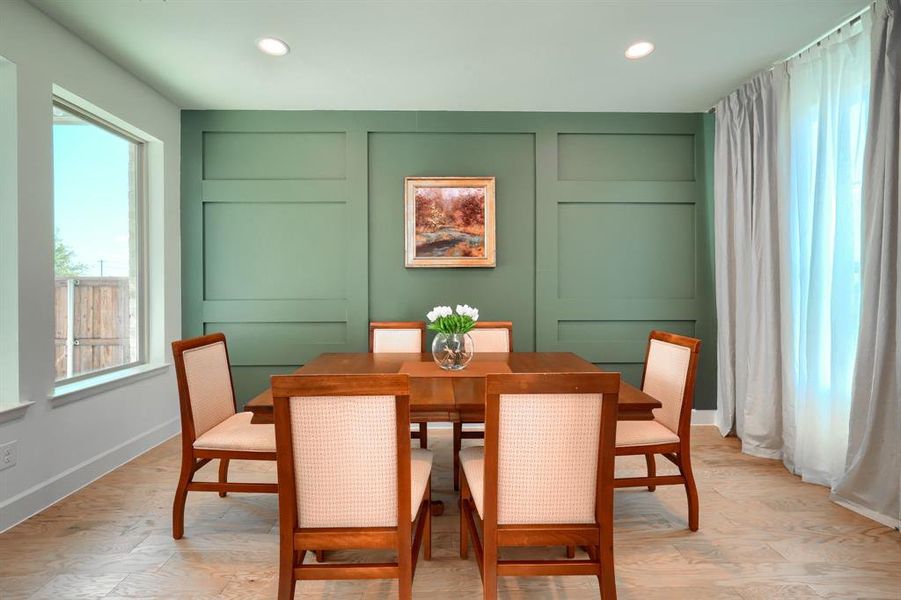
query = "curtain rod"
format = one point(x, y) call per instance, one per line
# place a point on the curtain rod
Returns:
point(856, 17)
point(853, 19)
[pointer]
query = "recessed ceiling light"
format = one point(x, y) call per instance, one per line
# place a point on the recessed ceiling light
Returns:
point(639, 50)
point(273, 47)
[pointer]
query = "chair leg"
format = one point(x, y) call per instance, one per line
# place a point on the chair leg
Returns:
point(489, 567)
point(464, 507)
point(181, 496)
point(286, 580)
point(691, 490)
point(405, 572)
point(427, 528)
point(458, 444)
point(652, 469)
point(423, 435)
point(405, 588)
point(223, 474)
point(606, 577)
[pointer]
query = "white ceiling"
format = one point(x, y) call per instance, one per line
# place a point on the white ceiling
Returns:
point(448, 55)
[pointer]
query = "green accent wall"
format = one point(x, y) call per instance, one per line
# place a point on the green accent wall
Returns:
point(292, 231)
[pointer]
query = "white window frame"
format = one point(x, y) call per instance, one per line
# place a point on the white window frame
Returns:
point(141, 217)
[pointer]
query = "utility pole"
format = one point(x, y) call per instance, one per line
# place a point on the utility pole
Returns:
point(101, 267)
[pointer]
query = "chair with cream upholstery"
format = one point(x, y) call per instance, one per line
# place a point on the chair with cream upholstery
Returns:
point(348, 478)
point(211, 428)
point(544, 476)
point(669, 376)
point(488, 336)
point(401, 336)
point(492, 336)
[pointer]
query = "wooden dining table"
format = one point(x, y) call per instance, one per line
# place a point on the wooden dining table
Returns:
point(455, 396)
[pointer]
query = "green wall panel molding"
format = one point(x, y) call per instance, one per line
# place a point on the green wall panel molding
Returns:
point(619, 330)
point(504, 293)
point(251, 380)
point(280, 343)
point(625, 157)
point(302, 246)
point(292, 226)
point(626, 192)
point(273, 155)
point(624, 243)
point(275, 190)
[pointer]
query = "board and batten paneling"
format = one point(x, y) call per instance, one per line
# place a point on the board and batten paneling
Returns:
point(623, 243)
point(505, 292)
point(293, 231)
point(273, 241)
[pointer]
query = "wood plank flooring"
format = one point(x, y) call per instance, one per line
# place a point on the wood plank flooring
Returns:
point(764, 535)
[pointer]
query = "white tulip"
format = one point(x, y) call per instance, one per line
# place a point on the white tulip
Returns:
point(464, 310)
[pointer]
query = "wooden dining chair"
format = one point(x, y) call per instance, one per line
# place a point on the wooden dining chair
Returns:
point(544, 476)
point(401, 336)
point(488, 336)
point(671, 364)
point(211, 427)
point(348, 478)
point(492, 336)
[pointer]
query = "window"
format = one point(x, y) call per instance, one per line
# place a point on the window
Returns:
point(830, 89)
point(98, 189)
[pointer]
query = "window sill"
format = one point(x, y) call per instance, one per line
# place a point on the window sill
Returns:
point(70, 392)
point(11, 413)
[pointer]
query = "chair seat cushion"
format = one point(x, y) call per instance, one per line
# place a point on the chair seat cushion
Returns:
point(643, 433)
point(420, 470)
point(472, 459)
point(237, 434)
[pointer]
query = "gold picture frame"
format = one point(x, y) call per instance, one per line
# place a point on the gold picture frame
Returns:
point(449, 222)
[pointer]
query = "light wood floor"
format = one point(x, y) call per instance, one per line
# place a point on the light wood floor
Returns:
point(764, 535)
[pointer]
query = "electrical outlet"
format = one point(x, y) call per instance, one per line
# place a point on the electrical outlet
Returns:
point(8, 454)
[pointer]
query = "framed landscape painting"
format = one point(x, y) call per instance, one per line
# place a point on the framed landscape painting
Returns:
point(449, 222)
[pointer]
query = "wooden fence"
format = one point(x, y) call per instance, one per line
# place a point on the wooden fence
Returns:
point(99, 336)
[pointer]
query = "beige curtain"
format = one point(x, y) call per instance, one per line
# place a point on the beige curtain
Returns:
point(801, 154)
point(872, 481)
point(751, 150)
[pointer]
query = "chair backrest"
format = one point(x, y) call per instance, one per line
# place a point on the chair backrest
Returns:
point(397, 336)
point(549, 446)
point(343, 449)
point(493, 336)
point(205, 388)
point(669, 376)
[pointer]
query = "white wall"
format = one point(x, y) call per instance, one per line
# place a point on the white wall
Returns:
point(9, 210)
point(61, 447)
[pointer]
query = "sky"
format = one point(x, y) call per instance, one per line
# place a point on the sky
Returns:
point(91, 183)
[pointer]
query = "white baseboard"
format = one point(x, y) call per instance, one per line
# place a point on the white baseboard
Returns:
point(866, 512)
point(703, 417)
point(43, 495)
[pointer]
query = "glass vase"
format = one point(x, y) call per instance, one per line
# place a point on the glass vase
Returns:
point(452, 351)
